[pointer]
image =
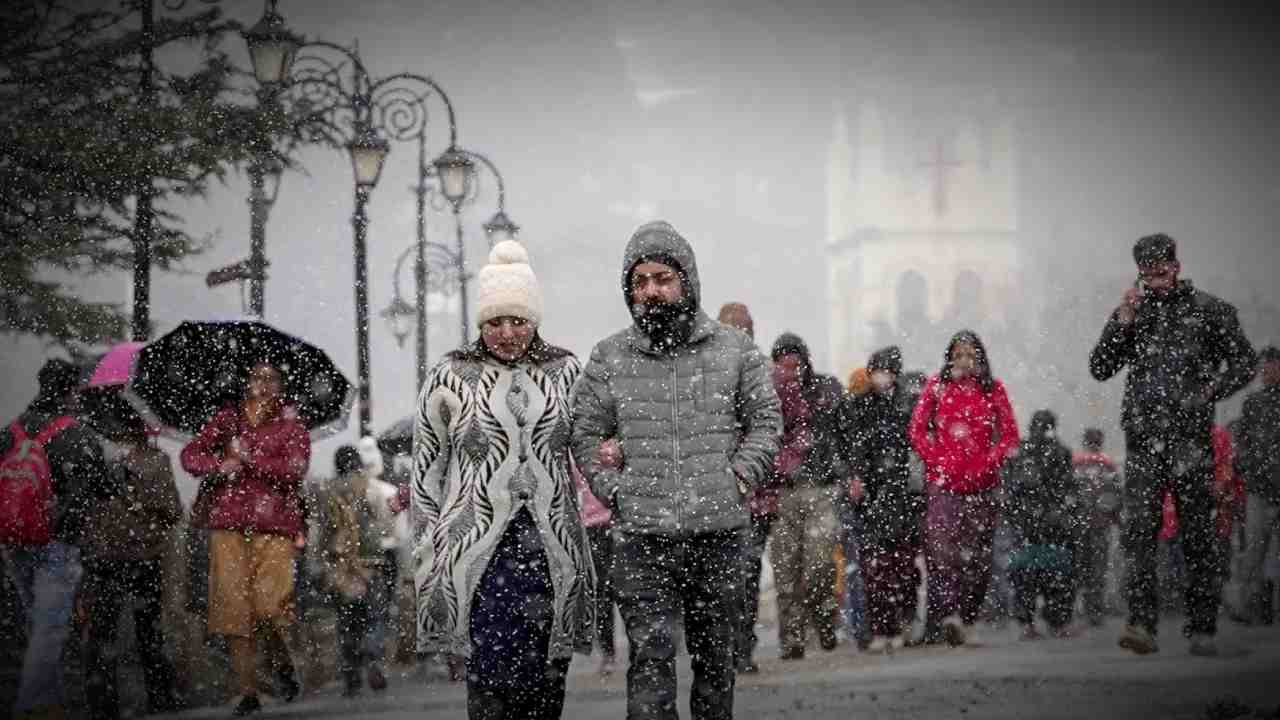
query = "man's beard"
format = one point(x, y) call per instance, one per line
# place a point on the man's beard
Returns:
point(666, 324)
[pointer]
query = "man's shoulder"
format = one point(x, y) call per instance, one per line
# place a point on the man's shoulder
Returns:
point(1211, 304)
point(614, 345)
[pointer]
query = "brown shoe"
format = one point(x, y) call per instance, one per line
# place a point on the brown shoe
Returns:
point(377, 681)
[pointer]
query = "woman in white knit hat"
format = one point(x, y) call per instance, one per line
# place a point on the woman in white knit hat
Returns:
point(501, 565)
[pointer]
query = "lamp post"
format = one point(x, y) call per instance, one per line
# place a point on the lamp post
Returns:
point(360, 114)
point(456, 170)
point(405, 319)
point(272, 48)
point(368, 152)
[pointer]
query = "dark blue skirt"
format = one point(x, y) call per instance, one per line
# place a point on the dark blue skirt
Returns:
point(512, 613)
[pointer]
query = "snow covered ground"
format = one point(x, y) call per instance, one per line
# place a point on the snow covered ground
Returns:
point(1083, 677)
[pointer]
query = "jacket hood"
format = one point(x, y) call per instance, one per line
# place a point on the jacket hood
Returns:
point(1043, 425)
point(659, 240)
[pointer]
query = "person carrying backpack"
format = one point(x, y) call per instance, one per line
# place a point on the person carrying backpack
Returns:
point(51, 475)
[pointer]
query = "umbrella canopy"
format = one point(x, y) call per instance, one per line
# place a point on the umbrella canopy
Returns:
point(181, 379)
point(114, 366)
point(398, 439)
point(102, 403)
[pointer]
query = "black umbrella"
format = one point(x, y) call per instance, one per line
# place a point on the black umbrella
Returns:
point(398, 439)
point(181, 379)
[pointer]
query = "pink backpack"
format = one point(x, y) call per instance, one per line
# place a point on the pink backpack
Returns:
point(26, 486)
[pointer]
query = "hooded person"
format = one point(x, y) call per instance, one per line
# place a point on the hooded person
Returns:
point(876, 429)
point(688, 403)
point(807, 468)
point(46, 570)
point(1040, 503)
point(963, 427)
point(501, 561)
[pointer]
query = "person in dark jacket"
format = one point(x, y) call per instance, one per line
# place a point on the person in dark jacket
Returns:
point(1258, 460)
point(880, 459)
point(689, 404)
point(807, 466)
point(252, 457)
point(1099, 484)
point(1185, 352)
point(47, 576)
point(127, 538)
point(1039, 503)
point(763, 506)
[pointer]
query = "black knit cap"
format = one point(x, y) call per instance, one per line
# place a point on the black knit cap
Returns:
point(58, 377)
point(346, 460)
point(789, 343)
point(1154, 249)
point(1270, 353)
point(889, 358)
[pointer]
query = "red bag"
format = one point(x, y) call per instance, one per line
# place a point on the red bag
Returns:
point(26, 486)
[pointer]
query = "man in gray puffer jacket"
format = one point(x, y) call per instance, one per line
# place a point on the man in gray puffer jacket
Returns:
point(689, 423)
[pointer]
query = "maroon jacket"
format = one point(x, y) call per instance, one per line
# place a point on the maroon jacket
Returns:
point(263, 497)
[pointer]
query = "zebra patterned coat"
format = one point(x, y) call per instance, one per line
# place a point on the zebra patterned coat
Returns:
point(489, 439)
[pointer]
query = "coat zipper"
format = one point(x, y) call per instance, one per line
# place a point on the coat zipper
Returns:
point(675, 433)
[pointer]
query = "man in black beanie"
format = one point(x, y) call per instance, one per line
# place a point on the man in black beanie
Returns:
point(46, 570)
point(1185, 352)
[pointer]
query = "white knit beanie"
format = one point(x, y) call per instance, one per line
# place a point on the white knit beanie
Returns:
point(507, 286)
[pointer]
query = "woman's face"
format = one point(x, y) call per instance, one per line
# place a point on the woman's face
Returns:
point(964, 361)
point(508, 338)
point(265, 383)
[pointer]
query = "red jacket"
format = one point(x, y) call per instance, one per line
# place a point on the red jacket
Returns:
point(1228, 490)
point(264, 496)
point(963, 434)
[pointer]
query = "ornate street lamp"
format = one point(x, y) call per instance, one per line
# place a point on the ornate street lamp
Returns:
point(500, 228)
point(272, 47)
point(402, 317)
point(455, 170)
point(368, 151)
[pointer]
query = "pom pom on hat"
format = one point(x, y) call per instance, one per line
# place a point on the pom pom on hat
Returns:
point(507, 286)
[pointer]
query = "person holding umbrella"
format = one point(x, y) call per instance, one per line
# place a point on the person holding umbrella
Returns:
point(501, 562)
point(251, 458)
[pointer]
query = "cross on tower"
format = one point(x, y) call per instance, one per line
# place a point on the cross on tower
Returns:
point(940, 164)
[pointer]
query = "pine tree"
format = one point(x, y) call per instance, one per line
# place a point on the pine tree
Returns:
point(78, 129)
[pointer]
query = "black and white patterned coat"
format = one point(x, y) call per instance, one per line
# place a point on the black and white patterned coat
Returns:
point(491, 438)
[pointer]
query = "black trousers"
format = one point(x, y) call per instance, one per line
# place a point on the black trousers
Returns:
point(660, 581)
point(108, 584)
point(752, 565)
point(601, 540)
point(1053, 584)
point(1184, 466)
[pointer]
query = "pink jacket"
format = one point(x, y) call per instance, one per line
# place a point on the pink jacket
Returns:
point(594, 513)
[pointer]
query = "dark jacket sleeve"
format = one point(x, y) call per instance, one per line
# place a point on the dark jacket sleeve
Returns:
point(76, 452)
point(163, 503)
point(1235, 353)
point(1114, 350)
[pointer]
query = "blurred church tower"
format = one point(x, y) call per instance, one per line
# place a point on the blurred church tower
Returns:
point(922, 232)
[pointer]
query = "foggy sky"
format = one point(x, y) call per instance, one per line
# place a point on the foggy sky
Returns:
point(717, 116)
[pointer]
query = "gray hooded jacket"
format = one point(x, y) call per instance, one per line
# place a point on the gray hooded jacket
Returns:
point(692, 422)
